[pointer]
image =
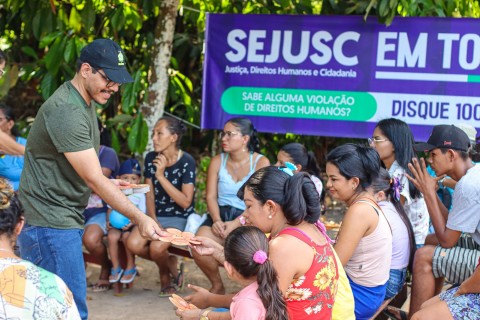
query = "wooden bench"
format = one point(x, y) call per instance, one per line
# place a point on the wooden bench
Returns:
point(118, 287)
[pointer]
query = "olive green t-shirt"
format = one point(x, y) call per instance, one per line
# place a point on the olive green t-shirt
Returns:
point(51, 191)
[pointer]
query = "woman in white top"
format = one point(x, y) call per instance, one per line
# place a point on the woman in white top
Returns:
point(364, 242)
point(393, 140)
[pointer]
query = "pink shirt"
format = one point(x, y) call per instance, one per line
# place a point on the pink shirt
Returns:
point(247, 305)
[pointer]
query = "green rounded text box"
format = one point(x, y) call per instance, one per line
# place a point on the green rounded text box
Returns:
point(297, 103)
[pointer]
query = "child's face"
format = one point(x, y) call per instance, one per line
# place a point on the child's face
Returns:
point(130, 178)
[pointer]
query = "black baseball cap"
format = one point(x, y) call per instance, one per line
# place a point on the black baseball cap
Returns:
point(107, 55)
point(445, 137)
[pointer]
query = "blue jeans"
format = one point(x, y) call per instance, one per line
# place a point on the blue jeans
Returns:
point(60, 252)
point(395, 282)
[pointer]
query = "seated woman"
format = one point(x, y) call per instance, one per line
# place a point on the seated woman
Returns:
point(393, 140)
point(227, 172)
point(387, 194)
point(10, 166)
point(27, 291)
point(286, 206)
point(364, 242)
point(170, 173)
point(460, 303)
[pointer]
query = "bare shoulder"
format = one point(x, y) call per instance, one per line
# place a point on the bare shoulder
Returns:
point(215, 162)
point(262, 161)
point(286, 245)
point(361, 213)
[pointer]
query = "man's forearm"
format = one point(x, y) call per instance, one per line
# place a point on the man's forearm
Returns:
point(10, 146)
point(437, 211)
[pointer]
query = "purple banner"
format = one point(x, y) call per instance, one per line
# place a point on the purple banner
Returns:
point(338, 75)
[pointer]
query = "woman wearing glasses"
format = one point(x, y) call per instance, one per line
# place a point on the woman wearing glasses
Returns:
point(8, 145)
point(10, 166)
point(227, 172)
point(393, 140)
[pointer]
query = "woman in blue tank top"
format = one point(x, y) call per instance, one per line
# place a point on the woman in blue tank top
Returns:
point(227, 172)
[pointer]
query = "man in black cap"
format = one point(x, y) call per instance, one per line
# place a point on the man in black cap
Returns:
point(452, 251)
point(62, 166)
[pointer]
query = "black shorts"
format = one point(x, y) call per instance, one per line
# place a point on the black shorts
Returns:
point(227, 213)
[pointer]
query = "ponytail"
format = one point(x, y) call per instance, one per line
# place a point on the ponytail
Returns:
point(246, 249)
point(295, 193)
point(392, 189)
point(269, 293)
point(394, 196)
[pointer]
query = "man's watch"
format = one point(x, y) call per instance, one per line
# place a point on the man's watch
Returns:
point(204, 315)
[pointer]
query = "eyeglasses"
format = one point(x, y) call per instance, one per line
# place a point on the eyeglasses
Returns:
point(110, 83)
point(228, 134)
point(376, 140)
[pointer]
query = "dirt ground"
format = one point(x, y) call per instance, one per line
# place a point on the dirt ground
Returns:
point(142, 301)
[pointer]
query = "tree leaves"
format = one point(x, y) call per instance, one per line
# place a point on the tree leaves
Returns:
point(138, 136)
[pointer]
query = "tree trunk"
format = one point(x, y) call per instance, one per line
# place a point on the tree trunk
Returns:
point(158, 75)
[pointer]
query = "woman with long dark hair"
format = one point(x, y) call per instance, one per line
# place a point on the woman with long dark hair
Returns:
point(287, 206)
point(364, 242)
point(393, 140)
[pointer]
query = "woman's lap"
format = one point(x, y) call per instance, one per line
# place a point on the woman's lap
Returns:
point(465, 306)
point(173, 222)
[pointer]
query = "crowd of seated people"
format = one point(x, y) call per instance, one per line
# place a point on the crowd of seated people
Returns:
point(264, 225)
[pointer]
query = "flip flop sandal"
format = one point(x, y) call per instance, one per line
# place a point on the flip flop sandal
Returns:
point(391, 315)
point(128, 275)
point(180, 279)
point(115, 275)
point(101, 286)
point(167, 291)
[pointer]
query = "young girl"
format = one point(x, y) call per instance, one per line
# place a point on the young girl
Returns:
point(247, 263)
point(387, 194)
